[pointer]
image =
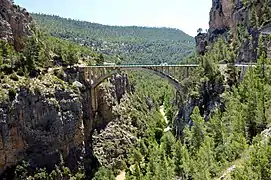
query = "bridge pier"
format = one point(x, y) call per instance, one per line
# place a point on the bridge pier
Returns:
point(94, 99)
point(186, 72)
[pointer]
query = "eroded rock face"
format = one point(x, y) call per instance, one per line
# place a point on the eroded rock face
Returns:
point(109, 95)
point(112, 143)
point(208, 100)
point(112, 135)
point(225, 17)
point(42, 129)
point(14, 23)
point(54, 125)
point(221, 14)
point(202, 42)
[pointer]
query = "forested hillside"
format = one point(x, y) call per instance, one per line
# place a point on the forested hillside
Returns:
point(129, 44)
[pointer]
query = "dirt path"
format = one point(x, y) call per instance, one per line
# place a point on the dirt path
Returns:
point(162, 111)
point(121, 176)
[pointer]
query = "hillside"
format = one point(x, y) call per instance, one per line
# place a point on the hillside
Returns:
point(130, 44)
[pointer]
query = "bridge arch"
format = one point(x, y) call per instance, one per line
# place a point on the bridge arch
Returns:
point(163, 75)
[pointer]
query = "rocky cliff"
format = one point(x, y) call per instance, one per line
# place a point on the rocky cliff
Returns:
point(46, 121)
point(14, 23)
point(236, 20)
point(41, 123)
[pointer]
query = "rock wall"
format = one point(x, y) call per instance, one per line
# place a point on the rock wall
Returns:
point(208, 100)
point(54, 125)
point(14, 23)
point(201, 42)
point(225, 18)
point(41, 128)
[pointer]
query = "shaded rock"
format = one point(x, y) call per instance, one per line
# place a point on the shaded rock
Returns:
point(201, 43)
point(42, 130)
point(208, 101)
point(112, 144)
point(14, 23)
point(109, 95)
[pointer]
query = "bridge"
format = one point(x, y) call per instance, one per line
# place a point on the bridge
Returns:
point(95, 75)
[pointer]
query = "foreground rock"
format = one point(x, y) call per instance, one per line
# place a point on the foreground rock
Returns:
point(46, 122)
point(43, 125)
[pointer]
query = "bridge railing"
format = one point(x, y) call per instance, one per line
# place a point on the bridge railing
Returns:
point(168, 65)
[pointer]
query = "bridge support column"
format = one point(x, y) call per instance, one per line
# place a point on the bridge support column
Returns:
point(94, 100)
point(186, 72)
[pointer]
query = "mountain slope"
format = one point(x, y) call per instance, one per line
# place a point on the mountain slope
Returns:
point(133, 44)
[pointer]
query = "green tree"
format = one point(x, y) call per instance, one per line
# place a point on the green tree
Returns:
point(104, 174)
point(198, 130)
point(99, 60)
point(167, 142)
point(178, 159)
point(205, 165)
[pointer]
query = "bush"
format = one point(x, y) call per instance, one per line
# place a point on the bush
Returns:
point(20, 72)
point(14, 77)
point(7, 69)
point(12, 94)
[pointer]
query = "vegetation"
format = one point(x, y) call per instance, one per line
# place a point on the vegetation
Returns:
point(129, 44)
point(206, 149)
point(41, 52)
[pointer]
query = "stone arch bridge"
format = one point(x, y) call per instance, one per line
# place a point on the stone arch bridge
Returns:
point(95, 75)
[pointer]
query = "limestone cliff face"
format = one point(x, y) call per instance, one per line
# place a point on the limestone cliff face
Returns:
point(14, 23)
point(225, 14)
point(208, 100)
point(42, 128)
point(49, 122)
point(201, 42)
point(112, 135)
point(109, 95)
point(225, 18)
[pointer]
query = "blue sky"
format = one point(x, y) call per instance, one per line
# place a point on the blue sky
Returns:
point(187, 15)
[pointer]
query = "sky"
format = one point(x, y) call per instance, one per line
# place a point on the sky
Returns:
point(187, 15)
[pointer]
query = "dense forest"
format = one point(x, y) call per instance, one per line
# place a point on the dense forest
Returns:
point(141, 45)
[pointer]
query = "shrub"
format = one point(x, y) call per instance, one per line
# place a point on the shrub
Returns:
point(12, 93)
point(7, 69)
point(14, 77)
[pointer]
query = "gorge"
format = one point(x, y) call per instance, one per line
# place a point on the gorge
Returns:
point(141, 127)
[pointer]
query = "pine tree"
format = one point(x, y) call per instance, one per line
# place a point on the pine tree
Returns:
point(1, 57)
point(254, 19)
point(178, 159)
point(197, 130)
point(205, 165)
point(104, 174)
point(187, 163)
point(167, 142)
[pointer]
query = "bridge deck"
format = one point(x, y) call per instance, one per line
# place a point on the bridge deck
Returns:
point(147, 65)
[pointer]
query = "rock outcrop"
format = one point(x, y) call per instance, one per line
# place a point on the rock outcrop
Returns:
point(112, 143)
point(14, 23)
point(208, 100)
point(43, 127)
point(47, 122)
point(201, 42)
point(226, 16)
point(109, 95)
